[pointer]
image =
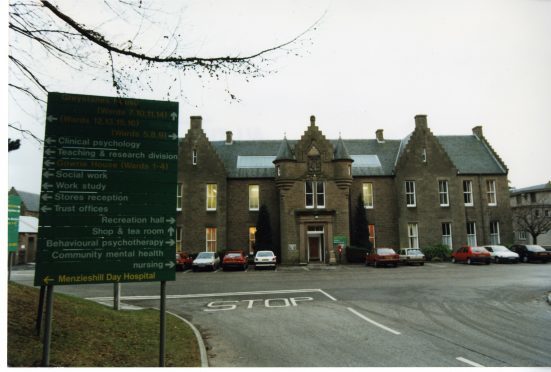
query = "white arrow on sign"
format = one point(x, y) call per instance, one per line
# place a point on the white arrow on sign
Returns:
point(173, 136)
point(48, 163)
point(170, 264)
point(47, 185)
point(49, 152)
point(171, 220)
point(50, 140)
point(45, 209)
point(174, 116)
point(170, 242)
point(51, 118)
point(47, 174)
point(171, 230)
point(46, 197)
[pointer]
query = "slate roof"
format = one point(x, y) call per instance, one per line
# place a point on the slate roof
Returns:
point(30, 200)
point(468, 153)
point(542, 187)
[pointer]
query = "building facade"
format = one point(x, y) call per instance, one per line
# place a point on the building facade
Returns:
point(531, 208)
point(418, 191)
point(28, 227)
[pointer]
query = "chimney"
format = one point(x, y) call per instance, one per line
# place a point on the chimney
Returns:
point(229, 137)
point(477, 131)
point(312, 120)
point(196, 122)
point(379, 135)
point(421, 121)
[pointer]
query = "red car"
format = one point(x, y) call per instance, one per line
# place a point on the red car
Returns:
point(382, 257)
point(183, 261)
point(236, 259)
point(471, 255)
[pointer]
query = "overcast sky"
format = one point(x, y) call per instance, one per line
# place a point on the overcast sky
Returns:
point(370, 65)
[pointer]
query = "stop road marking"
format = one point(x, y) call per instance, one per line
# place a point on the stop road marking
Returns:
point(249, 304)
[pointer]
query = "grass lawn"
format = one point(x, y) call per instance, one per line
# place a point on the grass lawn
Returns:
point(86, 334)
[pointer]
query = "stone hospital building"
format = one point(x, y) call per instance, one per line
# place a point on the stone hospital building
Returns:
point(421, 190)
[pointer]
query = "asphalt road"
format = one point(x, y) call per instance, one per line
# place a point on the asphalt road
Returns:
point(437, 315)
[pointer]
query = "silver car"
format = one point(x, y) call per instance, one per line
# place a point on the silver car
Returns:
point(502, 254)
point(264, 259)
point(410, 256)
point(206, 260)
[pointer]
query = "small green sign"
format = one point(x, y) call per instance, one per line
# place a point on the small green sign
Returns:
point(14, 210)
point(108, 197)
point(338, 239)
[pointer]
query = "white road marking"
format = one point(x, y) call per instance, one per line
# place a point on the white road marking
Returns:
point(127, 298)
point(373, 322)
point(470, 362)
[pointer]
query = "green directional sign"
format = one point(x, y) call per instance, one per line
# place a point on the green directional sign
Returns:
point(108, 196)
point(14, 210)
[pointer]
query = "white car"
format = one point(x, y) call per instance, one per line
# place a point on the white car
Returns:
point(502, 254)
point(206, 260)
point(264, 259)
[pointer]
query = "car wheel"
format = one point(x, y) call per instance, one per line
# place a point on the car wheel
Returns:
point(395, 265)
point(497, 259)
point(525, 259)
point(469, 262)
point(375, 264)
point(454, 260)
point(487, 262)
point(194, 269)
point(422, 264)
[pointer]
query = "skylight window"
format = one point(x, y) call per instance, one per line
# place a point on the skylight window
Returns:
point(365, 161)
point(255, 161)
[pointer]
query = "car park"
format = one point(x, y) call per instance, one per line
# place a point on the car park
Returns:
point(471, 255)
point(206, 260)
point(531, 253)
point(184, 260)
point(265, 259)
point(411, 256)
point(382, 257)
point(501, 254)
point(235, 259)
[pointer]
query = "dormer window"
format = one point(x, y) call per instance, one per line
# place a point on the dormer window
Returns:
point(424, 155)
point(194, 156)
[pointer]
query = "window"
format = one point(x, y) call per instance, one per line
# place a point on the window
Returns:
point(252, 239)
point(210, 239)
point(194, 156)
point(471, 234)
point(372, 235)
point(468, 193)
point(424, 155)
point(315, 192)
point(178, 238)
point(537, 213)
point(548, 213)
point(179, 190)
point(494, 232)
point(532, 197)
point(254, 197)
point(278, 171)
point(410, 193)
point(519, 199)
point(443, 192)
point(367, 194)
point(491, 192)
point(211, 196)
point(413, 235)
point(521, 235)
point(447, 234)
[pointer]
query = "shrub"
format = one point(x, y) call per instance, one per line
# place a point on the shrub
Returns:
point(356, 254)
point(438, 251)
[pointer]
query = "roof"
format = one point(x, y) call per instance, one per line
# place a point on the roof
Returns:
point(542, 187)
point(254, 159)
point(470, 155)
point(30, 200)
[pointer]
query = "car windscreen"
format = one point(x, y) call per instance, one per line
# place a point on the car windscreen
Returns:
point(233, 255)
point(205, 255)
point(415, 252)
point(385, 251)
point(264, 254)
point(479, 250)
point(499, 248)
point(535, 248)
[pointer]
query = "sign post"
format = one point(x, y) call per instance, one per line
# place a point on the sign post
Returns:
point(108, 191)
point(14, 211)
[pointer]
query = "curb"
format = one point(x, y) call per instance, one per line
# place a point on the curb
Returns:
point(549, 298)
point(202, 348)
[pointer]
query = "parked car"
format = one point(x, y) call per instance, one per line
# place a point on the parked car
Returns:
point(206, 260)
point(236, 259)
point(530, 253)
point(501, 254)
point(471, 255)
point(264, 259)
point(410, 256)
point(184, 260)
point(382, 257)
